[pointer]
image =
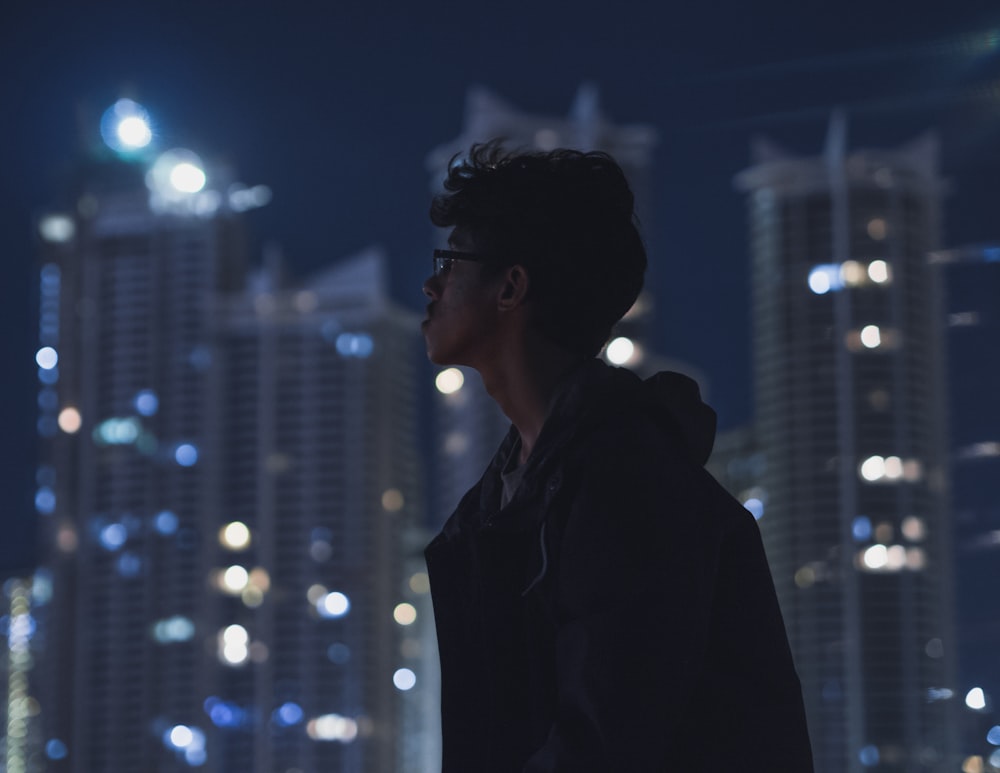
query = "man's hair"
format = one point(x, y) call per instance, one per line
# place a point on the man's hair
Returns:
point(568, 217)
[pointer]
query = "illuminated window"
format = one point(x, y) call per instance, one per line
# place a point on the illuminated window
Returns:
point(825, 278)
point(404, 679)
point(878, 271)
point(333, 605)
point(875, 557)
point(852, 273)
point(975, 699)
point(913, 528)
point(404, 614)
point(871, 336)
point(392, 500)
point(234, 579)
point(57, 228)
point(876, 228)
point(332, 727)
point(47, 358)
point(70, 420)
point(235, 536)
point(420, 582)
point(234, 649)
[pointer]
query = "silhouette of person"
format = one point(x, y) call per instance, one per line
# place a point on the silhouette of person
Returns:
point(601, 603)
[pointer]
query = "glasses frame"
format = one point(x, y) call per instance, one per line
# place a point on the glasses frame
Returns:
point(443, 259)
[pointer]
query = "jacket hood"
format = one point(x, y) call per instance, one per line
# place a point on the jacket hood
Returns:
point(597, 393)
point(678, 400)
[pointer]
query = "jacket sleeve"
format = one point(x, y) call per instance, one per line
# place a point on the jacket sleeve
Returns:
point(643, 678)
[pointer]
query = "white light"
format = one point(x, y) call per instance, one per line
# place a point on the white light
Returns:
point(620, 350)
point(819, 281)
point(873, 468)
point(125, 126)
point(404, 679)
point(56, 228)
point(975, 699)
point(47, 358)
point(893, 467)
point(876, 557)
point(449, 381)
point(235, 654)
point(134, 132)
point(187, 178)
point(235, 579)
point(235, 634)
point(332, 727)
point(404, 614)
point(852, 273)
point(333, 605)
point(824, 278)
point(895, 558)
point(871, 337)
point(181, 736)
point(235, 536)
point(755, 506)
point(878, 271)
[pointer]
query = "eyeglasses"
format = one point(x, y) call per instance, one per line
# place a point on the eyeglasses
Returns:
point(444, 258)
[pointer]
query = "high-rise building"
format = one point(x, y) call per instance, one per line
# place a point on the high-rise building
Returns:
point(971, 280)
point(469, 424)
point(849, 395)
point(227, 486)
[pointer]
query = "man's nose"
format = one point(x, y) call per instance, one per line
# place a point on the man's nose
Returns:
point(430, 287)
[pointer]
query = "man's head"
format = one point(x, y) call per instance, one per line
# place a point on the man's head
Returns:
point(567, 219)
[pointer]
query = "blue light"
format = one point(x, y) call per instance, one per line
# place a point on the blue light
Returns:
point(993, 736)
point(861, 528)
point(756, 507)
point(222, 713)
point(868, 756)
point(186, 455)
point(55, 749)
point(825, 278)
point(113, 536)
point(48, 400)
point(288, 714)
point(48, 426)
point(45, 500)
point(355, 345)
point(48, 375)
point(992, 254)
point(195, 757)
point(129, 565)
point(147, 403)
point(50, 276)
point(338, 653)
point(165, 522)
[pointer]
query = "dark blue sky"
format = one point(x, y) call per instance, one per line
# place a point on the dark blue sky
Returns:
point(336, 107)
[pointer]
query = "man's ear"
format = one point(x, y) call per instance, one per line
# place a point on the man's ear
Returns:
point(514, 290)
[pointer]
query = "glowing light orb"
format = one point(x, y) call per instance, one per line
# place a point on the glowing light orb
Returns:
point(404, 614)
point(449, 381)
point(975, 699)
point(404, 679)
point(187, 178)
point(70, 420)
point(620, 350)
point(235, 536)
point(125, 127)
point(871, 336)
point(47, 358)
point(333, 605)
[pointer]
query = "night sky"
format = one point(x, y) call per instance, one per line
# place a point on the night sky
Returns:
point(336, 107)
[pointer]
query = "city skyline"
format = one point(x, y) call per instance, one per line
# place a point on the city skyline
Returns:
point(359, 99)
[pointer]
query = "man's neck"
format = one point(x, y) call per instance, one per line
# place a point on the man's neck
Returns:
point(523, 382)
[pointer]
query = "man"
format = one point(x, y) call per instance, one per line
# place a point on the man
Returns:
point(601, 603)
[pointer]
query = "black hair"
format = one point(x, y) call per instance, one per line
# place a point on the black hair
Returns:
point(568, 217)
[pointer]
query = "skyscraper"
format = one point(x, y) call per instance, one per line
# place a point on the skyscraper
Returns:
point(971, 279)
point(849, 417)
point(227, 487)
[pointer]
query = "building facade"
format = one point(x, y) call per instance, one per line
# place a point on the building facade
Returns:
point(229, 493)
point(849, 395)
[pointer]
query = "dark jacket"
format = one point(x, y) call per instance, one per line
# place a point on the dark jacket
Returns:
point(618, 614)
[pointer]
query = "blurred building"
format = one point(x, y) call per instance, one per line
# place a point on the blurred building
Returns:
point(971, 280)
point(469, 425)
point(227, 483)
point(849, 384)
point(21, 742)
